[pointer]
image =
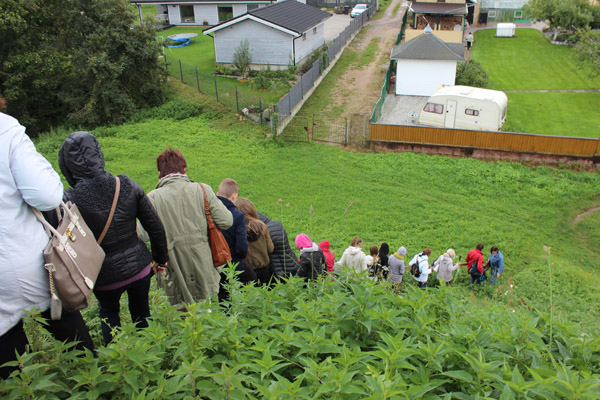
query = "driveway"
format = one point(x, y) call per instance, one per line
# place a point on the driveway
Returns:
point(335, 25)
point(402, 110)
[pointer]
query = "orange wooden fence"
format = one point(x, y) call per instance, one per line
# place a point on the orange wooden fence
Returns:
point(518, 142)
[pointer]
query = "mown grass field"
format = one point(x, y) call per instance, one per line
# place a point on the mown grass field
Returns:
point(347, 337)
point(530, 62)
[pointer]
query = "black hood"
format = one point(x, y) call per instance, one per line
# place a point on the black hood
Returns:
point(80, 157)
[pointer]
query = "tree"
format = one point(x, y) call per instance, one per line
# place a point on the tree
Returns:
point(566, 14)
point(76, 62)
point(242, 58)
point(470, 73)
point(587, 50)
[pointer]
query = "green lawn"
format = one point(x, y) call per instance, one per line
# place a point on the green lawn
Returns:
point(562, 114)
point(530, 62)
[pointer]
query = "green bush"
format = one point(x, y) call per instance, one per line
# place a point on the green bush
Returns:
point(470, 73)
point(345, 337)
point(261, 81)
point(177, 109)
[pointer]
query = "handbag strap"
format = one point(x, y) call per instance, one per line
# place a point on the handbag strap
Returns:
point(209, 219)
point(112, 210)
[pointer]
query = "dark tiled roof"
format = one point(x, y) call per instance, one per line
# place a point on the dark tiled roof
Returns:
point(291, 14)
point(438, 8)
point(428, 47)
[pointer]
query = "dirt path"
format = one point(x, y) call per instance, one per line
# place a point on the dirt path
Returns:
point(362, 84)
point(583, 214)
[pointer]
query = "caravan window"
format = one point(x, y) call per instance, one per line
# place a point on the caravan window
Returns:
point(434, 108)
point(470, 111)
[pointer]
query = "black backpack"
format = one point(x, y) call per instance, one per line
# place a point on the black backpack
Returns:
point(473, 271)
point(414, 269)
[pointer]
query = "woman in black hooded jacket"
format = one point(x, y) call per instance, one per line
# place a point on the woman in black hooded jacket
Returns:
point(128, 263)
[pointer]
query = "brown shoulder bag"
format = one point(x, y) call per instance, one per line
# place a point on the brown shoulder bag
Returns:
point(218, 245)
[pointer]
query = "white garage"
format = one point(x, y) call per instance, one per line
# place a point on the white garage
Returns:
point(425, 63)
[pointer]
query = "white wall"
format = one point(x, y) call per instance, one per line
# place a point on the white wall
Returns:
point(174, 15)
point(267, 45)
point(206, 12)
point(239, 9)
point(423, 77)
point(312, 42)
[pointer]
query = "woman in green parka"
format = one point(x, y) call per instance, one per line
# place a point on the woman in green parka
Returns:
point(179, 202)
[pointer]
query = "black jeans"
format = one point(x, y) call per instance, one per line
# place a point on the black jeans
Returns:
point(137, 292)
point(263, 275)
point(70, 327)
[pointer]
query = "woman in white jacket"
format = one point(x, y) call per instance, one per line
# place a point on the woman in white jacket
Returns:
point(354, 257)
point(422, 260)
point(26, 179)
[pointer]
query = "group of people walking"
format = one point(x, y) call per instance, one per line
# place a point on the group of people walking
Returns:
point(172, 218)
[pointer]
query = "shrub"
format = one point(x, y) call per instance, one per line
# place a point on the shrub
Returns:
point(261, 81)
point(470, 73)
point(221, 69)
point(242, 58)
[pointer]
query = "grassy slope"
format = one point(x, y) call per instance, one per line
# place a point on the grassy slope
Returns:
point(529, 62)
point(404, 199)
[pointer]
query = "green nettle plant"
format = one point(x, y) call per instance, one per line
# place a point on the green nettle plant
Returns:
point(341, 337)
point(242, 58)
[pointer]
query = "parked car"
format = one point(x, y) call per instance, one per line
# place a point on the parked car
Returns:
point(358, 9)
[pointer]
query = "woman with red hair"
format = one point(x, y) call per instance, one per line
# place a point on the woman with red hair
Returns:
point(190, 275)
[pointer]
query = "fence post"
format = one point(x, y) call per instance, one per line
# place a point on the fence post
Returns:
point(301, 85)
point(347, 131)
point(197, 80)
point(259, 109)
point(181, 71)
point(166, 62)
point(216, 89)
point(237, 103)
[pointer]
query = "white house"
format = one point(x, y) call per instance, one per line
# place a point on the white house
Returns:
point(199, 12)
point(279, 34)
point(425, 63)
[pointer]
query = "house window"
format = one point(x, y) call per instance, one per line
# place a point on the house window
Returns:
point(441, 1)
point(250, 7)
point(225, 13)
point(315, 30)
point(470, 111)
point(304, 36)
point(434, 108)
point(187, 13)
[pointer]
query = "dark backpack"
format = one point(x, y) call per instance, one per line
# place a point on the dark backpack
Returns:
point(414, 269)
point(473, 271)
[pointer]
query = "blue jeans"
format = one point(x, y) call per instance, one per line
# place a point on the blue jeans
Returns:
point(494, 275)
point(137, 293)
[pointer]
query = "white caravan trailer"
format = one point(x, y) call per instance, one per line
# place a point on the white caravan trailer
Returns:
point(465, 107)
